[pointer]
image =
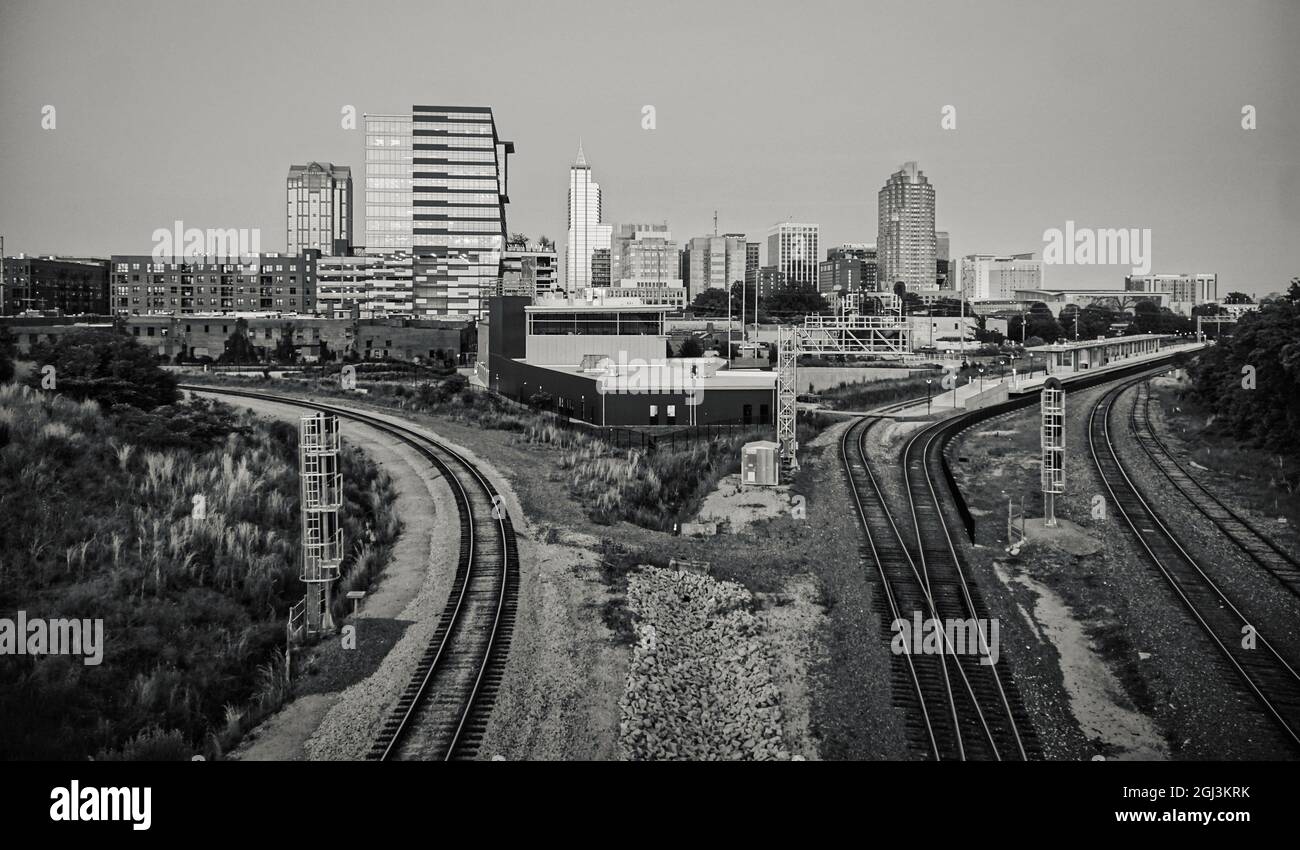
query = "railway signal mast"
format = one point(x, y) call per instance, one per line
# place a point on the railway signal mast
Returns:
point(1053, 448)
point(882, 335)
point(322, 532)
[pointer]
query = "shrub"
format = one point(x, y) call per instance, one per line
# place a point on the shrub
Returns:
point(99, 524)
point(104, 367)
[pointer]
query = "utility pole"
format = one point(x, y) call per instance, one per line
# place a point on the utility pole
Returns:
point(728, 327)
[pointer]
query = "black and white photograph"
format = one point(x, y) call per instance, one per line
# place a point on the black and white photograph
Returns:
point(886, 382)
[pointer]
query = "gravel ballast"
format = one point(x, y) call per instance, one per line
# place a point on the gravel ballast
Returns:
point(700, 683)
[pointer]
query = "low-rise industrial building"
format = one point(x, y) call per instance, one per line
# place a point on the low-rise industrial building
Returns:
point(198, 336)
point(28, 331)
point(608, 365)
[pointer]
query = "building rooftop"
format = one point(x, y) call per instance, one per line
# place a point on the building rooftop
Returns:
point(1093, 343)
point(583, 306)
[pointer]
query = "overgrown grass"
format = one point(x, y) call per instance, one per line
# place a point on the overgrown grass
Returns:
point(864, 396)
point(1270, 479)
point(653, 489)
point(100, 523)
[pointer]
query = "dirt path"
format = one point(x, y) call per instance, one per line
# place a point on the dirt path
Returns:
point(418, 563)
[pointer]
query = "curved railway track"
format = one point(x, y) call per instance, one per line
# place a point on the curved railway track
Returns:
point(961, 709)
point(442, 712)
point(1258, 546)
point(1264, 673)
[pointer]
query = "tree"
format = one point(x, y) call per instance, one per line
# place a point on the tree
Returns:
point(795, 302)
point(239, 349)
point(946, 307)
point(1238, 298)
point(691, 348)
point(104, 367)
point(517, 241)
point(1267, 412)
point(710, 302)
point(8, 352)
point(285, 351)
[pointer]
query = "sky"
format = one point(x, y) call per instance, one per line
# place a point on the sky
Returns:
point(1108, 114)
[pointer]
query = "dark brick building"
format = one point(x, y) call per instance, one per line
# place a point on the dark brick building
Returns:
point(70, 286)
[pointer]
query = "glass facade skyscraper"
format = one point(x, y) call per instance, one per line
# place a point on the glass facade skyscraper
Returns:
point(388, 183)
point(792, 251)
point(586, 234)
point(436, 185)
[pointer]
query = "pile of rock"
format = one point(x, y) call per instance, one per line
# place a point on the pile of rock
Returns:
point(700, 684)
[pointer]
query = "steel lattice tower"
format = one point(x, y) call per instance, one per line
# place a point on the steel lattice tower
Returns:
point(1053, 448)
point(322, 531)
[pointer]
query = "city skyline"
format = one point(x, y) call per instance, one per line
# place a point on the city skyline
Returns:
point(1087, 139)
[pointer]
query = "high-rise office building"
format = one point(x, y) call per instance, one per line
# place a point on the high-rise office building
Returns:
point(318, 208)
point(848, 268)
point(943, 276)
point(586, 233)
point(769, 279)
point(792, 250)
point(600, 264)
point(715, 262)
point(989, 277)
point(1185, 290)
point(437, 185)
point(905, 235)
point(644, 254)
point(752, 263)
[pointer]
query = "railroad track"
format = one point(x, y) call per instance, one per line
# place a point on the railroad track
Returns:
point(959, 708)
point(443, 711)
point(1258, 546)
point(1263, 672)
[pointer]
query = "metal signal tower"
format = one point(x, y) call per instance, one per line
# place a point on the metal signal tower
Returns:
point(846, 334)
point(787, 357)
point(1053, 448)
point(322, 532)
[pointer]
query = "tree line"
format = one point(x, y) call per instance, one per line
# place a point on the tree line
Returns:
point(1250, 381)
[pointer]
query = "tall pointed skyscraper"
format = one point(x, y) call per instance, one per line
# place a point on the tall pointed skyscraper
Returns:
point(586, 234)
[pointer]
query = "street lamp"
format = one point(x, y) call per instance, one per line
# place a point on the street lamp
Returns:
point(981, 368)
point(928, 381)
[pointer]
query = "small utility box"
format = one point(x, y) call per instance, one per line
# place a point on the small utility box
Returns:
point(759, 466)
